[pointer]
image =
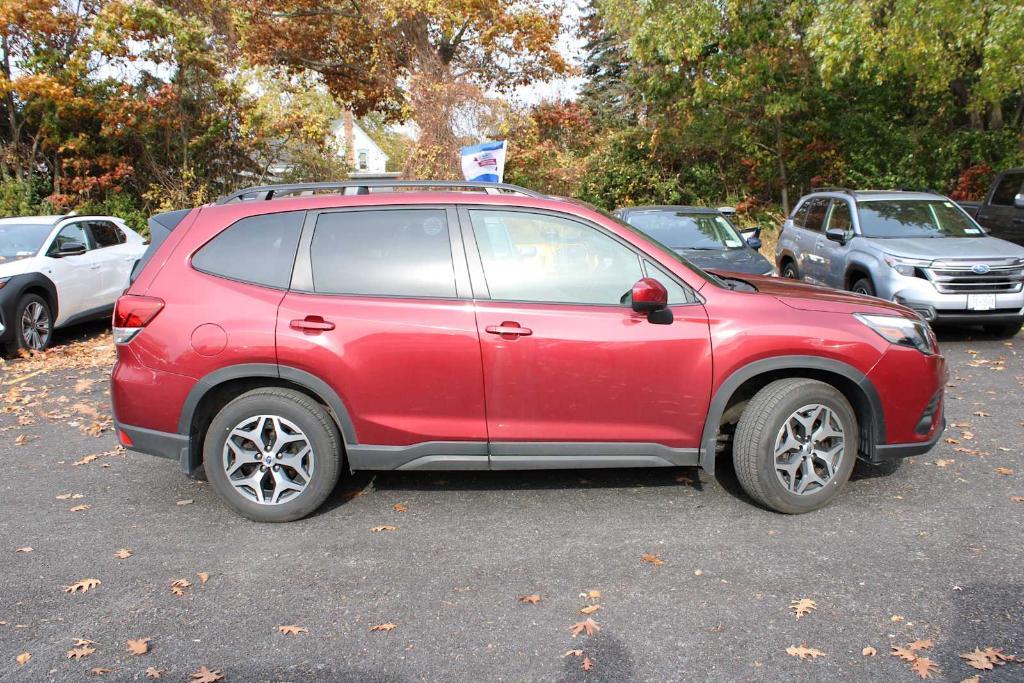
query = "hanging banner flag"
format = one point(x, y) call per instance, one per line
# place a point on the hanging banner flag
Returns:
point(484, 162)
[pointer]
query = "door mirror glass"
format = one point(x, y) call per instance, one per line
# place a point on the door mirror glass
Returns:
point(71, 249)
point(836, 235)
point(1018, 201)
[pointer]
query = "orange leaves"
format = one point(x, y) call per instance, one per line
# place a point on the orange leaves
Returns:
point(802, 606)
point(138, 646)
point(587, 626)
point(384, 627)
point(383, 527)
point(25, 549)
point(123, 554)
point(80, 508)
point(399, 507)
point(179, 586)
point(589, 609)
point(204, 675)
point(155, 672)
point(529, 599)
point(651, 558)
point(292, 630)
point(924, 667)
point(869, 651)
point(1005, 471)
point(80, 652)
point(82, 586)
point(904, 653)
point(23, 658)
point(988, 658)
point(803, 652)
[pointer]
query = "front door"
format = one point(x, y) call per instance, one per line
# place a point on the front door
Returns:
point(999, 215)
point(572, 376)
point(379, 307)
point(829, 266)
point(79, 278)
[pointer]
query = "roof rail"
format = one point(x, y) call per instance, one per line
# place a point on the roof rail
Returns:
point(833, 189)
point(266, 192)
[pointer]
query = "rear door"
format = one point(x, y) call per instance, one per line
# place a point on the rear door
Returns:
point(998, 214)
point(572, 376)
point(380, 309)
point(115, 257)
point(807, 222)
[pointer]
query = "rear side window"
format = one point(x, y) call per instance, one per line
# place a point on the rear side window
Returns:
point(383, 252)
point(1008, 188)
point(257, 249)
point(105, 234)
point(816, 209)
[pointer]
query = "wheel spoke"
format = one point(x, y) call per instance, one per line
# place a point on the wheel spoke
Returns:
point(280, 454)
point(808, 449)
point(253, 483)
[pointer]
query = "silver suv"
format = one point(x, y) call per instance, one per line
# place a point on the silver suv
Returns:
point(915, 248)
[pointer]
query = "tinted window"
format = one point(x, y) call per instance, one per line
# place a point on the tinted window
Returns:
point(840, 218)
point(1008, 188)
point(538, 257)
point(393, 252)
point(105, 234)
point(816, 209)
point(258, 249)
point(801, 214)
point(677, 294)
point(681, 230)
point(69, 233)
point(915, 218)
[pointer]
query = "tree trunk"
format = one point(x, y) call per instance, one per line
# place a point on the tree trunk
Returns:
point(782, 165)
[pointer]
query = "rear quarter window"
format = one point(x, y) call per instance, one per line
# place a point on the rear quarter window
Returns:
point(258, 249)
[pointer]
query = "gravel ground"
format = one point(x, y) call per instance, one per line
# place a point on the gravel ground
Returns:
point(928, 550)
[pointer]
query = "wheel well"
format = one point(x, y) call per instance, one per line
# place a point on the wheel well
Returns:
point(859, 401)
point(784, 259)
point(49, 298)
point(225, 392)
point(855, 273)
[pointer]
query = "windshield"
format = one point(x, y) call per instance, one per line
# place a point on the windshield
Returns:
point(681, 230)
point(915, 218)
point(21, 240)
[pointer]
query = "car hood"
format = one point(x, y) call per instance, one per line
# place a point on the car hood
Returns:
point(29, 264)
point(806, 297)
point(931, 248)
point(735, 260)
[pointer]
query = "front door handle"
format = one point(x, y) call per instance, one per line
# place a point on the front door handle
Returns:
point(94, 266)
point(509, 330)
point(312, 324)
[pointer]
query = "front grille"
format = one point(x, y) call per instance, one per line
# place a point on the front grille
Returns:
point(958, 277)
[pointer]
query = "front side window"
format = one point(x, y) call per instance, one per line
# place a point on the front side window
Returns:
point(915, 218)
point(257, 249)
point(1010, 185)
point(105, 234)
point(74, 233)
point(543, 258)
point(682, 230)
point(816, 209)
point(677, 294)
point(840, 218)
point(383, 252)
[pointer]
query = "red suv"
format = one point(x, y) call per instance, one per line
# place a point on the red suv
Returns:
point(289, 332)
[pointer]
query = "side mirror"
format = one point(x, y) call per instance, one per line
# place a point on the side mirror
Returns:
point(1018, 201)
point(837, 235)
point(650, 296)
point(751, 234)
point(754, 242)
point(71, 249)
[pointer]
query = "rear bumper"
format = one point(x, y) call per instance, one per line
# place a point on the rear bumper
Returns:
point(149, 441)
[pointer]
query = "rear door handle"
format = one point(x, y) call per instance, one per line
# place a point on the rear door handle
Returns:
point(509, 329)
point(312, 324)
point(94, 266)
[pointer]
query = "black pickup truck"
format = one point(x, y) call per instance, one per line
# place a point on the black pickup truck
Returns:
point(1002, 212)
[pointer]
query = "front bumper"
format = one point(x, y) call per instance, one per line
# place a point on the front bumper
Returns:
point(896, 451)
point(920, 295)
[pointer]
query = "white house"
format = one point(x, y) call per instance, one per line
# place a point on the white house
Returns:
point(364, 156)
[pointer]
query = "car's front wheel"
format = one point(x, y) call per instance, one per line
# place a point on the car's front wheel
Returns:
point(795, 445)
point(863, 286)
point(789, 271)
point(273, 454)
point(1004, 330)
point(33, 324)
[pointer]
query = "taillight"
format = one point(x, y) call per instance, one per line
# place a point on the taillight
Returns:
point(132, 313)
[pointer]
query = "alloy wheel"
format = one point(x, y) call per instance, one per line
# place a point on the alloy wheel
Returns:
point(35, 326)
point(809, 449)
point(268, 459)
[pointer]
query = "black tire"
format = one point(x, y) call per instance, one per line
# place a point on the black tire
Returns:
point(315, 425)
point(1004, 330)
point(789, 271)
point(19, 323)
point(863, 286)
point(759, 428)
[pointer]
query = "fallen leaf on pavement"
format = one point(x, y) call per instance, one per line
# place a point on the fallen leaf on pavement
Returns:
point(187, 501)
point(944, 462)
point(178, 586)
point(924, 667)
point(651, 558)
point(384, 627)
point(895, 618)
point(203, 576)
point(1017, 499)
point(573, 653)
point(204, 675)
point(139, 646)
point(803, 652)
point(123, 554)
point(21, 440)
point(399, 507)
point(23, 658)
point(869, 651)
point(82, 586)
point(972, 679)
point(155, 672)
point(80, 652)
point(532, 599)
point(292, 630)
point(587, 664)
point(925, 644)
point(1006, 471)
point(86, 460)
point(99, 671)
point(982, 413)
point(802, 606)
point(590, 609)
point(383, 527)
point(903, 653)
point(80, 508)
point(26, 549)
point(83, 385)
point(592, 594)
point(588, 626)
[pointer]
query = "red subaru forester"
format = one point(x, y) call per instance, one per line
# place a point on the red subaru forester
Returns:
point(289, 332)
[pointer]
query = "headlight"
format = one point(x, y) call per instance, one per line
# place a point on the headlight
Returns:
point(901, 331)
point(905, 266)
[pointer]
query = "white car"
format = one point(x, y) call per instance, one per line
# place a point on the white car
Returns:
point(60, 270)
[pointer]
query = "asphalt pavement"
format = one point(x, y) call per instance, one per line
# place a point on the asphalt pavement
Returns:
point(930, 550)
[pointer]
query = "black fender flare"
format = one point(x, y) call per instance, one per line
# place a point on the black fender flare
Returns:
point(787, 253)
point(16, 287)
point(728, 387)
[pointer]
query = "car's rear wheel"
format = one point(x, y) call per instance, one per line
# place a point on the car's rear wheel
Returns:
point(1004, 330)
point(33, 324)
point(274, 455)
point(795, 445)
point(863, 286)
point(789, 271)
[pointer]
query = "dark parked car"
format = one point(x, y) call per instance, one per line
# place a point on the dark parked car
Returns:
point(704, 236)
point(1002, 212)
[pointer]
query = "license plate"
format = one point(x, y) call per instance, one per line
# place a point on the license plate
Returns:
point(981, 302)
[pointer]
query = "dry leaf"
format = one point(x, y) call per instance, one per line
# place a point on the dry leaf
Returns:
point(997, 656)
point(532, 599)
point(895, 618)
point(384, 527)
point(82, 642)
point(906, 654)
point(590, 609)
point(592, 594)
point(154, 672)
point(573, 653)
point(82, 586)
point(292, 630)
point(978, 659)
point(187, 501)
point(178, 586)
point(944, 462)
point(588, 664)
point(972, 679)
point(869, 651)
point(399, 507)
point(925, 644)
point(802, 606)
point(26, 549)
point(123, 554)
point(139, 646)
point(588, 626)
point(23, 658)
point(982, 413)
point(80, 652)
point(86, 460)
point(204, 675)
point(654, 559)
point(99, 671)
point(1004, 471)
point(803, 652)
point(21, 440)
point(1017, 499)
point(83, 385)
point(80, 508)
point(203, 576)
point(384, 627)
point(924, 667)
